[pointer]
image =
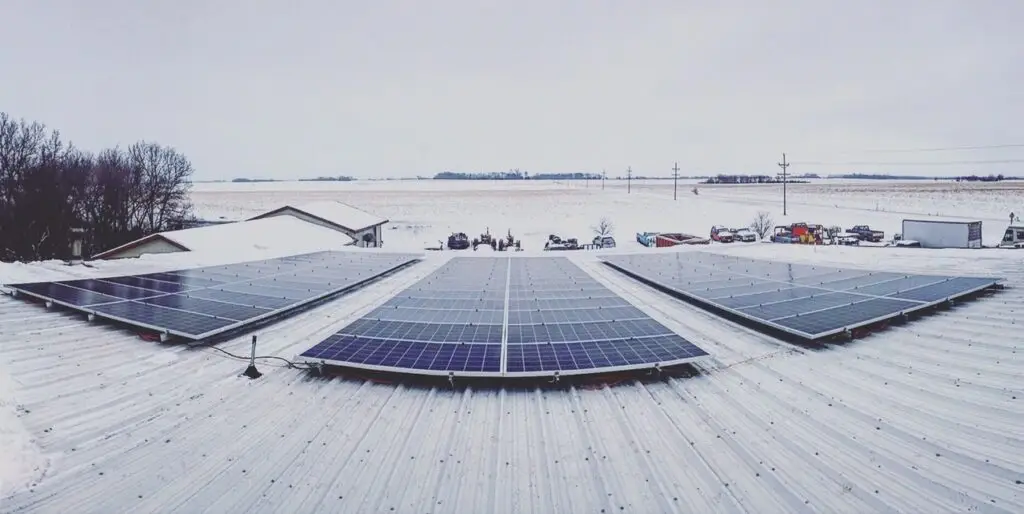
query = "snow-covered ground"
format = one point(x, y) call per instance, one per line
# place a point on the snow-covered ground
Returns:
point(422, 212)
point(927, 417)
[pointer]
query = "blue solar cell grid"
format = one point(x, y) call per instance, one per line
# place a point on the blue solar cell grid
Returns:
point(808, 301)
point(505, 316)
point(199, 303)
point(562, 319)
point(450, 321)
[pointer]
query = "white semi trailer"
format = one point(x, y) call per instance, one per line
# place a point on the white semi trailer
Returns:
point(943, 234)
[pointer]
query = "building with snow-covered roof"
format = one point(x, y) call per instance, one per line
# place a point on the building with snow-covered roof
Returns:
point(257, 235)
point(365, 228)
point(922, 417)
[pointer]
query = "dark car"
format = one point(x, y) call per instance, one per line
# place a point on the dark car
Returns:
point(458, 241)
point(864, 233)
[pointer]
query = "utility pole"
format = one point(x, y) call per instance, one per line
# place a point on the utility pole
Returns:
point(604, 175)
point(783, 165)
point(629, 178)
point(675, 180)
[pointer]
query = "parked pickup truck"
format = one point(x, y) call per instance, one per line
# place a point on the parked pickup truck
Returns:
point(865, 233)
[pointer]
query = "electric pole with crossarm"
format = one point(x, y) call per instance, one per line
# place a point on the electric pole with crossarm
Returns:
point(675, 180)
point(783, 165)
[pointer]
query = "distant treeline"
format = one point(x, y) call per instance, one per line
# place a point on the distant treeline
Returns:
point(749, 179)
point(340, 178)
point(987, 178)
point(516, 175)
point(48, 187)
point(967, 178)
point(495, 175)
point(878, 176)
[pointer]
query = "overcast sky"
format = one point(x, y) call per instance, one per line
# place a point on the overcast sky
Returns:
point(381, 88)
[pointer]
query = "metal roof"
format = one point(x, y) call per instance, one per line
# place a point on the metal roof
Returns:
point(925, 417)
point(332, 212)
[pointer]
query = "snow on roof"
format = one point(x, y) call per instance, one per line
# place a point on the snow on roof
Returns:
point(337, 213)
point(286, 233)
point(923, 417)
point(277, 232)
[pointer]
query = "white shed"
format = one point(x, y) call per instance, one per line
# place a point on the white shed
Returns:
point(285, 233)
point(365, 228)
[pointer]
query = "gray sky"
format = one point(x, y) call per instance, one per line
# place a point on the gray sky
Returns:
point(400, 88)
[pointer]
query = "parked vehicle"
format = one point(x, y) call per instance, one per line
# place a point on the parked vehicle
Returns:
point(721, 234)
point(486, 240)
point(943, 234)
point(646, 238)
point(458, 241)
point(675, 238)
point(798, 233)
point(784, 234)
point(604, 241)
point(509, 244)
point(557, 243)
point(744, 235)
point(663, 239)
point(864, 233)
point(846, 239)
point(1013, 238)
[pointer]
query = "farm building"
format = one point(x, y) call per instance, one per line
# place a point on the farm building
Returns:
point(255, 235)
point(922, 417)
point(365, 228)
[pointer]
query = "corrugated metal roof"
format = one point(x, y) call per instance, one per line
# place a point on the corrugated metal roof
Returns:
point(926, 417)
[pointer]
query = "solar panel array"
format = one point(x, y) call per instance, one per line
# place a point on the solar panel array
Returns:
point(505, 316)
point(562, 319)
point(450, 321)
point(808, 301)
point(203, 302)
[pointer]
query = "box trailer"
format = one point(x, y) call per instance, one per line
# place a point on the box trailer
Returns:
point(943, 234)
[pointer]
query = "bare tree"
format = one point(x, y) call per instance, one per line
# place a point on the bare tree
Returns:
point(48, 187)
point(762, 224)
point(603, 227)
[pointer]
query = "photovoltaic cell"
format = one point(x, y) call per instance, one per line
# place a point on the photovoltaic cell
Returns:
point(591, 328)
point(808, 301)
point(200, 303)
point(450, 321)
point(513, 316)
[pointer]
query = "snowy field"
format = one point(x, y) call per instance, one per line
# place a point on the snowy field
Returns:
point(926, 417)
point(422, 212)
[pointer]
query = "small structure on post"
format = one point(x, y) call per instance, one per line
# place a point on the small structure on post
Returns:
point(77, 234)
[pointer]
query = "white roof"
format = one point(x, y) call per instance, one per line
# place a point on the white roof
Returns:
point(279, 233)
point(262, 234)
point(338, 213)
point(927, 414)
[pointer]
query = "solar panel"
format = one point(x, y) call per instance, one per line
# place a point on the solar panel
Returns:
point(450, 321)
point(203, 302)
point(563, 320)
point(505, 316)
point(811, 302)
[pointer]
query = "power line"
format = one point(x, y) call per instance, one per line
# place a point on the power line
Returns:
point(904, 163)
